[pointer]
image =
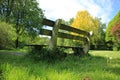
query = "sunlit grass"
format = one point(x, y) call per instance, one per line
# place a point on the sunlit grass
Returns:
point(97, 66)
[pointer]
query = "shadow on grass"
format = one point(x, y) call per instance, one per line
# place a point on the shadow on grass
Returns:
point(114, 66)
point(116, 61)
point(115, 70)
point(84, 63)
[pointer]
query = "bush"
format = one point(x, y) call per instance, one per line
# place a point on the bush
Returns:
point(46, 54)
point(7, 36)
point(99, 47)
point(115, 47)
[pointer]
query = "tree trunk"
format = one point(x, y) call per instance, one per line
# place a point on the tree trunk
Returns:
point(17, 42)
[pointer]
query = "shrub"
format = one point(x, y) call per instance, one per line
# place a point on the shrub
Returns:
point(115, 47)
point(7, 36)
point(46, 54)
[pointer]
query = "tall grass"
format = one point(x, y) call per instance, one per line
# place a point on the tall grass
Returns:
point(100, 65)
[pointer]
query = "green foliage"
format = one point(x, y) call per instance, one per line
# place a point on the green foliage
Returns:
point(25, 15)
point(85, 21)
point(46, 54)
point(65, 42)
point(98, 37)
point(7, 35)
point(115, 31)
point(68, 22)
point(111, 24)
point(40, 40)
point(115, 20)
point(116, 46)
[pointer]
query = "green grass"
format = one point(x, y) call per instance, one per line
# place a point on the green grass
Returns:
point(100, 65)
point(15, 50)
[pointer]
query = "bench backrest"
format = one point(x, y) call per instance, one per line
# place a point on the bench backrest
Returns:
point(55, 32)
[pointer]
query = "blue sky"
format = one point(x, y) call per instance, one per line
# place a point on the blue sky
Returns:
point(66, 9)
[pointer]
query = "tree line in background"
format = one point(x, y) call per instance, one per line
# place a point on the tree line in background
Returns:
point(113, 32)
point(25, 17)
point(20, 23)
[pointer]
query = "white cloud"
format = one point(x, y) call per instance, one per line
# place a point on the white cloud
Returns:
point(67, 9)
point(64, 9)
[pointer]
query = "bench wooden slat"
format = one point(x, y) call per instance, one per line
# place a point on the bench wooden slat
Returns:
point(48, 22)
point(46, 32)
point(70, 46)
point(72, 29)
point(69, 36)
point(41, 46)
point(62, 35)
point(35, 45)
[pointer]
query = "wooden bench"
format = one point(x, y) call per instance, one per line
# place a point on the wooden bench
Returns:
point(55, 33)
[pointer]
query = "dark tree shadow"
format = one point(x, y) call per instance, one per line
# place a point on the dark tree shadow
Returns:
point(115, 70)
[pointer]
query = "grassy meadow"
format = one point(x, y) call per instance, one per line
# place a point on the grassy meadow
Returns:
point(100, 65)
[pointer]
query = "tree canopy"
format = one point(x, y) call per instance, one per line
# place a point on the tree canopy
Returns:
point(114, 21)
point(25, 15)
point(85, 21)
point(99, 34)
point(115, 31)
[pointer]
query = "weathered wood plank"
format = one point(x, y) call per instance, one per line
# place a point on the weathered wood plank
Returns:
point(70, 47)
point(69, 36)
point(72, 29)
point(62, 35)
point(48, 22)
point(45, 32)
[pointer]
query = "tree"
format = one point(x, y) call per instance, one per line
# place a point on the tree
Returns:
point(24, 14)
point(111, 28)
point(114, 21)
point(115, 31)
point(99, 34)
point(6, 9)
point(85, 21)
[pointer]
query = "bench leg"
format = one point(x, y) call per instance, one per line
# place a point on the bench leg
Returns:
point(86, 49)
point(78, 51)
point(38, 47)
